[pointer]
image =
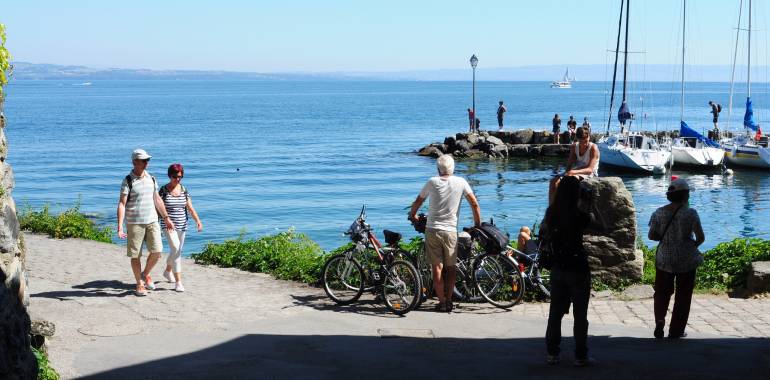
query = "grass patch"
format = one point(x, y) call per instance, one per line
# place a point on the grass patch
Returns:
point(44, 369)
point(69, 224)
point(286, 255)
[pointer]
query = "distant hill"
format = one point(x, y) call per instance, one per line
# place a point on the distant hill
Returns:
point(655, 73)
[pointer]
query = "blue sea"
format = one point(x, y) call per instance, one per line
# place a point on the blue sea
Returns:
point(262, 157)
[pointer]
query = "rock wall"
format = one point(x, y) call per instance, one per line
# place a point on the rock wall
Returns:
point(16, 358)
point(611, 242)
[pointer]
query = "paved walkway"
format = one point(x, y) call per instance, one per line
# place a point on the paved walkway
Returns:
point(234, 324)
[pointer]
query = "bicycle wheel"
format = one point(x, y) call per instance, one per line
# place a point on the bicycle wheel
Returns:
point(499, 280)
point(542, 279)
point(343, 279)
point(401, 288)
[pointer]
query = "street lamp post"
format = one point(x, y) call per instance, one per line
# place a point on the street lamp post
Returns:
point(474, 62)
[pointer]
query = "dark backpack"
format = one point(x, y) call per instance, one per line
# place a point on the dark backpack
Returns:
point(130, 184)
point(719, 108)
point(491, 238)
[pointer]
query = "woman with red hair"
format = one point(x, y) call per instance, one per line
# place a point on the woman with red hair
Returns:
point(178, 206)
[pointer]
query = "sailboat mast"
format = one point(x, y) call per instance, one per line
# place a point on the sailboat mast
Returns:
point(625, 53)
point(748, 73)
point(735, 59)
point(615, 70)
point(684, 14)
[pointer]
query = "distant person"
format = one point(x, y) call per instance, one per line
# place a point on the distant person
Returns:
point(556, 128)
point(139, 205)
point(471, 119)
point(583, 161)
point(478, 125)
point(624, 115)
point(715, 110)
point(586, 124)
point(445, 192)
point(525, 235)
point(678, 229)
point(564, 226)
point(571, 127)
point(501, 110)
point(178, 206)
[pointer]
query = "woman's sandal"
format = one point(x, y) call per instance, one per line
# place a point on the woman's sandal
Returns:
point(140, 291)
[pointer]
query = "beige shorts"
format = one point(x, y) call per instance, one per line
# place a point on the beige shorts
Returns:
point(441, 247)
point(143, 233)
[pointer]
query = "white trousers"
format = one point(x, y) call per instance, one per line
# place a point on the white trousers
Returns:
point(175, 240)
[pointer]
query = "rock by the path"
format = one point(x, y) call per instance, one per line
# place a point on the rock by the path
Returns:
point(638, 292)
point(759, 277)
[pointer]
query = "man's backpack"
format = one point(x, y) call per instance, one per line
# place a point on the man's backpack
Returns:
point(719, 108)
point(130, 183)
point(491, 238)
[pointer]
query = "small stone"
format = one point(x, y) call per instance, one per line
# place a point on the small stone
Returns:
point(638, 292)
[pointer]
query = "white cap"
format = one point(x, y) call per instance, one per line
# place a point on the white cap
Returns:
point(678, 184)
point(140, 154)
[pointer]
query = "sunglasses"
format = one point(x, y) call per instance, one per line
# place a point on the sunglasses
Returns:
point(178, 177)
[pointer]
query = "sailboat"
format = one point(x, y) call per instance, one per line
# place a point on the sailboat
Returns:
point(565, 82)
point(629, 150)
point(749, 149)
point(692, 148)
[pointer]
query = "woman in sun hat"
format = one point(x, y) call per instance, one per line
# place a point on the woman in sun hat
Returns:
point(678, 229)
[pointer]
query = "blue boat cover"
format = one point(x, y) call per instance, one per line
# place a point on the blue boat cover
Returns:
point(748, 118)
point(686, 131)
point(623, 113)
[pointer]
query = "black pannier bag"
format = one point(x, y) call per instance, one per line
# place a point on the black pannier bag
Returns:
point(492, 239)
point(464, 244)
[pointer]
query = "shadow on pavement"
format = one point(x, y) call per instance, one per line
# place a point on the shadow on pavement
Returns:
point(100, 288)
point(368, 357)
point(372, 307)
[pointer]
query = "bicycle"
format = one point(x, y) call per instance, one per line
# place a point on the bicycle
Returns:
point(396, 280)
point(535, 276)
point(482, 274)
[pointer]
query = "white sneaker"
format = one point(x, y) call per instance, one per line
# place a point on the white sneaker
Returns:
point(179, 287)
point(169, 276)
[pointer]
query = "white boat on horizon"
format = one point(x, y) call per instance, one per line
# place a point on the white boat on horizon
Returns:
point(565, 82)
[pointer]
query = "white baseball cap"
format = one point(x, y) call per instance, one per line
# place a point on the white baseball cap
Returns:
point(678, 184)
point(140, 154)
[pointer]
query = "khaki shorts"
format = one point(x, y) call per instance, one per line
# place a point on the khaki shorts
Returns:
point(441, 247)
point(143, 233)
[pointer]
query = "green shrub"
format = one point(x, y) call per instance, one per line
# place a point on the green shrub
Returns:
point(286, 255)
point(726, 265)
point(69, 224)
point(44, 370)
point(648, 271)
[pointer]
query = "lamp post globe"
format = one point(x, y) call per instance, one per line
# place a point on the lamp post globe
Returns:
point(474, 62)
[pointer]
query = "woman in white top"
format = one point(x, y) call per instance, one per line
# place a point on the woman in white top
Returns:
point(583, 160)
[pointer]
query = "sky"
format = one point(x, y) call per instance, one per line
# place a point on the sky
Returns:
point(342, 35)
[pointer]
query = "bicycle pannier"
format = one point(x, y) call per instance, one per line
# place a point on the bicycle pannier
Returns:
point(492, 238)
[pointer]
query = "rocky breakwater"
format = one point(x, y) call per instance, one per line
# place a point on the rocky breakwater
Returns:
point(611, 240)
point(16, 358)
point(499, 144)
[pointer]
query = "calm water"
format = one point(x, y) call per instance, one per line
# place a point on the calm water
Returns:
point(265, 156)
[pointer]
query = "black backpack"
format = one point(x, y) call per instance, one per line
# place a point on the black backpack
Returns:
point(130, 184)
point(491, 238)
point(719, 108)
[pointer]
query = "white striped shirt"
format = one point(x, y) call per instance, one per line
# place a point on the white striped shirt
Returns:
point(176, 208)
point(140, 208)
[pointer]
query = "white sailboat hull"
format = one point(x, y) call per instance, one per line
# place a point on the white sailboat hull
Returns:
point(701, 157)
point(636, 159)
point(748, 155)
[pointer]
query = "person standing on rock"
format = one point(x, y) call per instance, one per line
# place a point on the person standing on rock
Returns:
point(583, 161)
point(715, 110)
point(678, 229)
point(445, 192)
point(556, 128)
point(586, 124)
point(501, 110)
point(471, 119)
point(571, 127)
point(139, 205)
point(564, 225)
point(178, 205)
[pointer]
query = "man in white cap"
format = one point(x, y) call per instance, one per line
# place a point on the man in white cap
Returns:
point(139, 205)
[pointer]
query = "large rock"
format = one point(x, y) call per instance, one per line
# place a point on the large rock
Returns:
point(521, 150)
point(555, 150)
point(462, 145)
point(495, 141)
point(430, 151)
point(522, 136)
point(611, 242)
point(758, 280)
point(473, 139)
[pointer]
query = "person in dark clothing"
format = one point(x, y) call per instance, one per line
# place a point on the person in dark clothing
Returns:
point(471, 119)
point(478, 125)
point(500, 111)
point(571, 127)
point(556, 128)
point(570, 275)
point(715, 109)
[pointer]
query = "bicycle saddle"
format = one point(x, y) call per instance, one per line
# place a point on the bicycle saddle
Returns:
point(391, 237)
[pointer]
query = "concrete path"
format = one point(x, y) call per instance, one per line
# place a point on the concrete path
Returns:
point(234, 325)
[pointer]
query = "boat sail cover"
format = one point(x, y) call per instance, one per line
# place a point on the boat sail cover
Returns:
point(624, 114)
point(686, 131)
point(748, 118)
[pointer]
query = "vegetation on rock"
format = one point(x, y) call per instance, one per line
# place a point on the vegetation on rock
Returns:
point(44, 370)
point(68, 224)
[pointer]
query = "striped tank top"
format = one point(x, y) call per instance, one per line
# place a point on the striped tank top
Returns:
point(176, 207)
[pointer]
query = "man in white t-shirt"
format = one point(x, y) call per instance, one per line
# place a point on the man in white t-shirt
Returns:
point(445, 192)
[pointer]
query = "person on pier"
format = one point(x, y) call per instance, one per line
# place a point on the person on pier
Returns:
point(556, 128)
point(571, 127)
point(715, 110)
point(471, 120)
point(501, 110)
point(583, 161)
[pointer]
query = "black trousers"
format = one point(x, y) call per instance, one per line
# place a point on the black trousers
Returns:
point(568, 288)
point(664, 288)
